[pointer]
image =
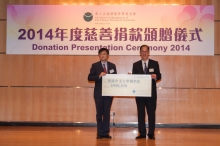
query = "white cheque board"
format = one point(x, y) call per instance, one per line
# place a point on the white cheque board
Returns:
point(126, 85)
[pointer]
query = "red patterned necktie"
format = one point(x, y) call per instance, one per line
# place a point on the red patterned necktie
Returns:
point(104, 68)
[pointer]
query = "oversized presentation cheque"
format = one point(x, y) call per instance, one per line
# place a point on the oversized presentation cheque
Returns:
point(126, 85)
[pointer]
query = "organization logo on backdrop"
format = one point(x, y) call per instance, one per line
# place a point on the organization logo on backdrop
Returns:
point(88, 16)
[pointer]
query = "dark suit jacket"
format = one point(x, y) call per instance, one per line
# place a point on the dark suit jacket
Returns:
point(95, 71)
point(138, 69)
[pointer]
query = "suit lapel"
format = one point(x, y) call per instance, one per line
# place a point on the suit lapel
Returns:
point(140, 66)
point(101, 67)
point(149, 65)
point(108, 65)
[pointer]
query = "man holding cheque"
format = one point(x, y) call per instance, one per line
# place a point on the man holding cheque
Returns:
point(148, 67)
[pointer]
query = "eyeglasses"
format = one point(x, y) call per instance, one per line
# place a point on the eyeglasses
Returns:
point(144, 51)
point(103, 53)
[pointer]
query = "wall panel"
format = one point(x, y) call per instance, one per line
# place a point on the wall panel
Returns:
point(207, 72)
point(177, 71)
point(3, 9)
point(76, 105)
point(188, 106)
point(2, 36)
point(216, 3)
point(4, 70)
point(217, 38)
point(47, 104)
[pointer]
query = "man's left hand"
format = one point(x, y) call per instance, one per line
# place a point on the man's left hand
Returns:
point(154, 76)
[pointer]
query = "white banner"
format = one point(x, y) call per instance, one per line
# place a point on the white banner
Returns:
point(84, 29)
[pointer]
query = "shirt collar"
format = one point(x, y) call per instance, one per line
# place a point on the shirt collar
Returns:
point(145, 61)
point(104, 62)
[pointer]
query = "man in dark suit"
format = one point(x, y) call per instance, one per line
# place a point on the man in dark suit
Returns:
point(150, 67)
point(103, 103)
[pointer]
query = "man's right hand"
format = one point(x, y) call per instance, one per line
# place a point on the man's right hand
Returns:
point(102, 74)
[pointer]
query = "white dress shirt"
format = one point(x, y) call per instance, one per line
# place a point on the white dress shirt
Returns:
point(106, 66)
point(143, 65)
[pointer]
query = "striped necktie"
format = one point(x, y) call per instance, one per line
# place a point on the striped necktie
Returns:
point(145, 68)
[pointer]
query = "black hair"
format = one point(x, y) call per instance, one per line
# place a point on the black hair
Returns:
point(144, 46)
point(104, 49)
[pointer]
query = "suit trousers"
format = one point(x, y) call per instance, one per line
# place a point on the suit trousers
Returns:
point(103, 106)
point(150, 104)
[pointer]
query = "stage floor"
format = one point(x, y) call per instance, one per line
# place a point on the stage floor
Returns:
point(86, 136)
